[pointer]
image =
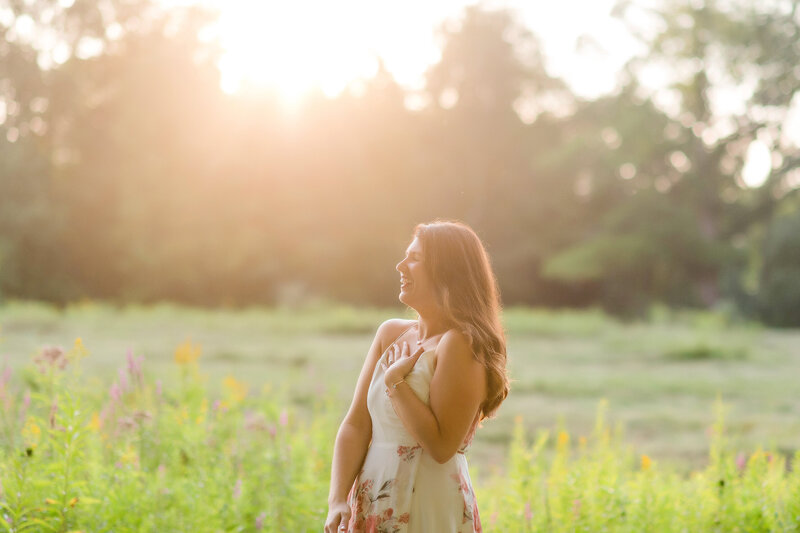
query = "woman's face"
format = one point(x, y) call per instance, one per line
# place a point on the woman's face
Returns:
point(416, 287)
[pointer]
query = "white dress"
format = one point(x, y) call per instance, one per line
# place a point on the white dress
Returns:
point(400, 488)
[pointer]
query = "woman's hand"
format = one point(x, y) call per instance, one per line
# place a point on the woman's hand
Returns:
point(338, 517)
point(399, 362)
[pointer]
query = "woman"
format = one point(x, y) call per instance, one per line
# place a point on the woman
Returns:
point(398, 461)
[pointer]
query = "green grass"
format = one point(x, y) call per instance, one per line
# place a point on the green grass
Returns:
point(660, 375)
point(80, 454)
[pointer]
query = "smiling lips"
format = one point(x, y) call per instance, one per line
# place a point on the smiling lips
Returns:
point(404, 283)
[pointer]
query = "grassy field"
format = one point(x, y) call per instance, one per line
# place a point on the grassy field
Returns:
point(660, 375)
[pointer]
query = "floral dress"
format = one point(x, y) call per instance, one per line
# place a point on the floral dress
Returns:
point(402, 489)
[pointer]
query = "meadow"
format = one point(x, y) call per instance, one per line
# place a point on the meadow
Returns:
point(179, 419)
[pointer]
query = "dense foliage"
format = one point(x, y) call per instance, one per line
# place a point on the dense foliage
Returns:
point(127, 174)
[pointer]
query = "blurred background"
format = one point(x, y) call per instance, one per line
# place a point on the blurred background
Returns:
point(236, 153)
point(246, 174)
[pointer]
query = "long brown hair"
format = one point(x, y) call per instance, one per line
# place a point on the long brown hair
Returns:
point(467, 292)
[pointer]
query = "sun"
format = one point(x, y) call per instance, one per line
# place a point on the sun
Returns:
point(292, 47)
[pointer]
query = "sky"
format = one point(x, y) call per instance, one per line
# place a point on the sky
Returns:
point(292, 46)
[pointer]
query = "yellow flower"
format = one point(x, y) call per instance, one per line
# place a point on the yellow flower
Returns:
point(646, 462)
point(50, 501)
point(73, 501)
point(563, 440)
point(187, 353)
point(78, 351)
point(94, 423)
point(236, 390)
point(582, 441)
point(31, 433)
point(129, 457)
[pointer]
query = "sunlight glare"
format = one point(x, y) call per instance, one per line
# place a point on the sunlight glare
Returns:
point(292, 47)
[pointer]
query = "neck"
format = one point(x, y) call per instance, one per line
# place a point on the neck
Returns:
point(430, 326)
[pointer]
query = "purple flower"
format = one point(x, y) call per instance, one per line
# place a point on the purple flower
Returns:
point(260, 521)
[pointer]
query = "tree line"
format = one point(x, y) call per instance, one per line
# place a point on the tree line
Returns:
point(127, 174)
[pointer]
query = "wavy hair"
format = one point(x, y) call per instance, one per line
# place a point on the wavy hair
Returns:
point(466, 289)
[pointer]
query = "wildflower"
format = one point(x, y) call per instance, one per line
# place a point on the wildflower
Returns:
point(741, 461)
point(237, 489)
point(129, 456)
point(260, 521)
point(158, 388)
point(272, 431)
point(563, 440)
point(582, 441)
point(115, 392)
point(125, 423)
point(50, 501)
point(284, 418)
point(528, 511)
point(95, 424)
point(187, 353)
point(5, 376)
point(254, 421)
point(51, 357)
point(141, 416)
point(576, 507)
point(78, 351)
point(135, 367)
point(123, 380)
point(31, 433)
point(73, 501)
point(646, 462)
point(236, 390)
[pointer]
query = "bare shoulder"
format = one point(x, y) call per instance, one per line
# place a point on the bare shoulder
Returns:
point(390, 329)
point(456, 344)
point(456, 348)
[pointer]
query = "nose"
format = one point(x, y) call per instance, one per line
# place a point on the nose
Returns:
point(400, 266)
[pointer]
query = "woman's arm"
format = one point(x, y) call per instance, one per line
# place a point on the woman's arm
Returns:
point(458, 388)
point(355, 432)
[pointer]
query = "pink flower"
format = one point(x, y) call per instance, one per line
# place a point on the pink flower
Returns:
point(158, 388)
point(371, 525)
point(272, 430)
point(237, 489)
point(5, 376)
point(284, 418)
point(135, 367)
point(528, 512)
point(260, 521)
point(115, 392)
point(741, 461)
point(51, 356)
point(123, 380)
point(576, 507)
